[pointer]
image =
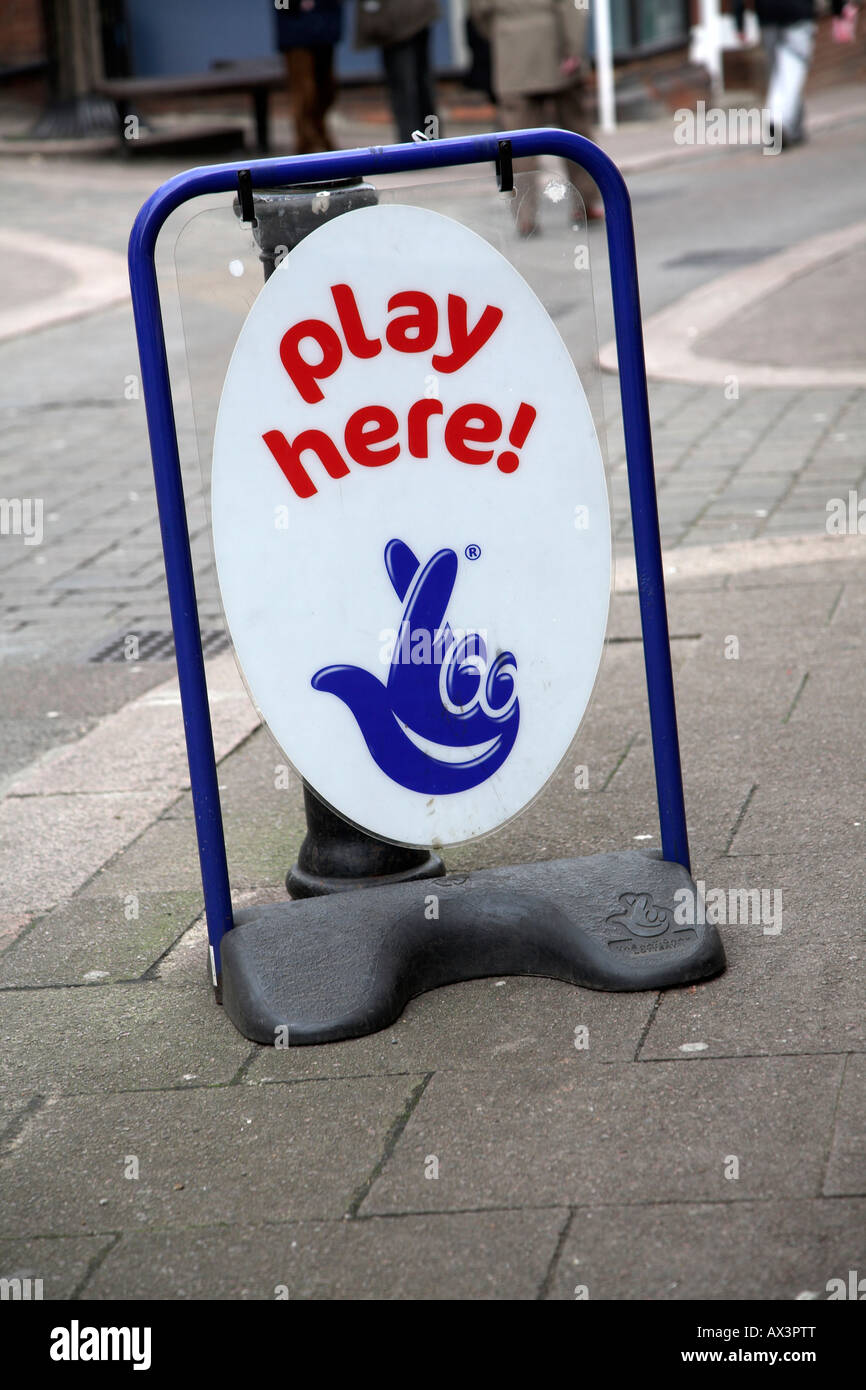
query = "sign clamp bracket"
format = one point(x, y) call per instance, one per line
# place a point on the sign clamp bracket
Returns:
point(504, 167)
point(245, 197)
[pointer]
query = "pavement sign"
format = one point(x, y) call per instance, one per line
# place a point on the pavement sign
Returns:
point(412, 539)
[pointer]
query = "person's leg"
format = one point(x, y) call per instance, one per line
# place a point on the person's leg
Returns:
point(518, 113)
point(793, 56)
point(769, 42)
point(788, 49)
point(771, 35)
point(424, 89)
point(570, 114)
point(302, 93)
point(399, 60)
point(326, 92)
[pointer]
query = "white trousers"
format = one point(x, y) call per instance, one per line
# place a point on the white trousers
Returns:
point(789, 52)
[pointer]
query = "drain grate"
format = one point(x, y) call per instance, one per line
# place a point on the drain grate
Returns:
point(730, 255)
point(153, 644)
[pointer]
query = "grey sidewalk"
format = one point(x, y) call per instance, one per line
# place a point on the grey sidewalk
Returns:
point(259, 1167)
point(150, 1152)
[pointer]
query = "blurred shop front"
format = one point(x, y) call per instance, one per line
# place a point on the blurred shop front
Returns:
point(151, 38)
point(174, 38)
point(168, 38)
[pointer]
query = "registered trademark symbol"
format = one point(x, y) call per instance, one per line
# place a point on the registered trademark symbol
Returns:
point(473, 552)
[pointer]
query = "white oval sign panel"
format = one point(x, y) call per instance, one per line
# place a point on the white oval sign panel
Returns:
point(411, 525)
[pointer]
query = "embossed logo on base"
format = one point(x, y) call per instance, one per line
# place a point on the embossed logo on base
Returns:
point(653, 926)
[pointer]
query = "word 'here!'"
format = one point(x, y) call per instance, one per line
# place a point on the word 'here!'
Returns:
point(373, 435)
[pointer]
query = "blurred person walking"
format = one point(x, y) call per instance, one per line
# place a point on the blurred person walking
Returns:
point(539, 73)
point(402, 29)
point(307, 32)
point(788, 29)
point(479, 75)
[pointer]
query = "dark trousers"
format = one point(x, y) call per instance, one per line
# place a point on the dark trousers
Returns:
point(312, 91)
point(407, 70)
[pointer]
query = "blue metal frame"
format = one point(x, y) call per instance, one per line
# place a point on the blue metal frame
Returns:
point(270, 173)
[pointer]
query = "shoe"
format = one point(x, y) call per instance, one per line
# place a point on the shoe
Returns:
point(594, 213)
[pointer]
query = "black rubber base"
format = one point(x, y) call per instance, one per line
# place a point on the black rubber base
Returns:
point(341, 966)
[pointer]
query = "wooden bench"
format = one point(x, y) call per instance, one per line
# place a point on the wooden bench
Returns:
point(257, 78)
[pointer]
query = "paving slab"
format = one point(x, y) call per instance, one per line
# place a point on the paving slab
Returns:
point(566, 822)
point(795, 993)
point(710, 1251)
point(622, 1132)
point(11, 926)
point(52, 844)
point(769, 330)
point(736, 611)
point(81, 693)
point(186, 965)
point(256, 772)
point(140, 746)
point(62, 1264)
point(263, 810)
point(17, 1104)
point(477, 1025)
point(224, 1154)
point(91, 795)
point(625, 814)
point(811, 808)
point(39, 715)
point(104, 938)
point(721, 699)
point(846, 1171)
point(164, 858)
point(115, 1037)
point(474, 1255)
